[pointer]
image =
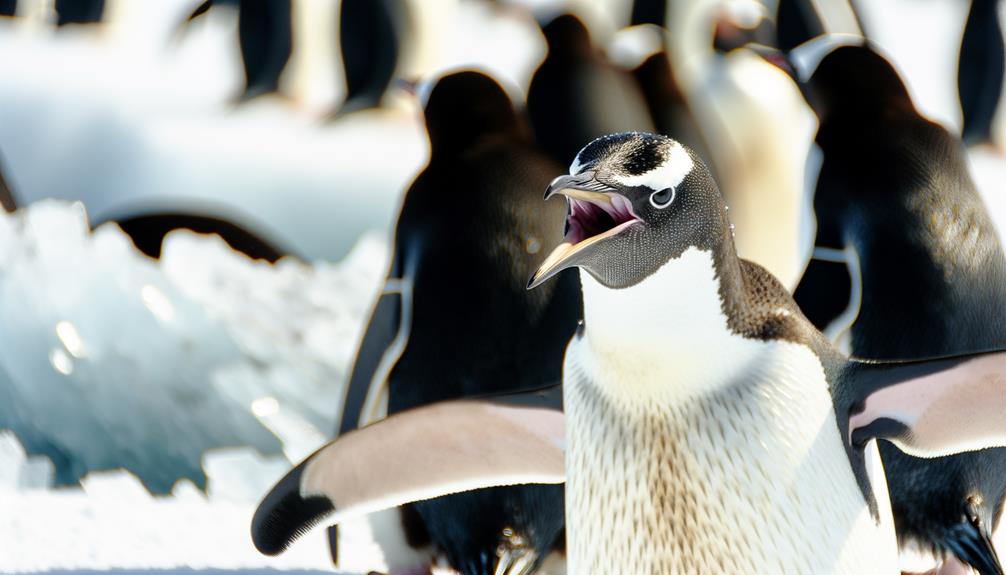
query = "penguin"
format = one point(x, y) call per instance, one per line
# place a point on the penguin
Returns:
point(648, 12)
point(7, 199)
point(708, 427)
point(757, 129)
point(265, 31)
point(436, 335)
point(980, 72)
point(577, 95)
point(798, 21)
point(895, 194)
point(79, 11)
point(370, 37)
point(147, 231)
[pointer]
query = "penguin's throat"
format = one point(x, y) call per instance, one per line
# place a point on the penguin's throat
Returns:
point(672, 321)
point(587, 219)
point(680, 299)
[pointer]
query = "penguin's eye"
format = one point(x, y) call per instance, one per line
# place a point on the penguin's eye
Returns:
point(663, 198)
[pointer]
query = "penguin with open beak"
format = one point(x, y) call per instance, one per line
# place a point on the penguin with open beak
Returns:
point(709, 427)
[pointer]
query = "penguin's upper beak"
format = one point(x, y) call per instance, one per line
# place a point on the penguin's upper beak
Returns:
point(595, 211)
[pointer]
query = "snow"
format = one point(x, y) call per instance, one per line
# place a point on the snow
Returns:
point(145, 407)
point(147, 380)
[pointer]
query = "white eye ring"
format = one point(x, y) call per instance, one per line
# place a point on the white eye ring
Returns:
point(663, 204)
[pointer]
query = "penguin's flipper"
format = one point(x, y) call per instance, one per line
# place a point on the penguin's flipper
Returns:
point(434, 450)
point(382, 345)
point(971, 542)
point(931, 408)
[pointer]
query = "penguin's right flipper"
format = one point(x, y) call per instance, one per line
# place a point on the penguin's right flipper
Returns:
point(414, 455)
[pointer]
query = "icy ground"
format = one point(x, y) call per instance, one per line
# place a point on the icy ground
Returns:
point(135, 376)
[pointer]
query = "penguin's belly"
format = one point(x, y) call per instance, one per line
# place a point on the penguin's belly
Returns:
point(749, 477)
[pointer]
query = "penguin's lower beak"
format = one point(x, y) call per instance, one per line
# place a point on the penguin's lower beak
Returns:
point(595, 211)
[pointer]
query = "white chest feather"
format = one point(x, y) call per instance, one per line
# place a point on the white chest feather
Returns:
point(698, 451)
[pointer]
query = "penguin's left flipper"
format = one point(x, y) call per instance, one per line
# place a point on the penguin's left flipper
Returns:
point(427, 452)
point(931, 408)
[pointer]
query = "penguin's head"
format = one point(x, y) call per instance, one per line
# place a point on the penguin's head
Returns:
point(634, 202)
point(465, 106)
point(855, 81)
point(565, 35)
point(842, 75)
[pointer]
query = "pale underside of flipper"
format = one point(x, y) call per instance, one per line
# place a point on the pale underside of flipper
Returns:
point(411, 456)
point(932, 408)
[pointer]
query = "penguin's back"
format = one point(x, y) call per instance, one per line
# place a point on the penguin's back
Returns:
point(491, 334)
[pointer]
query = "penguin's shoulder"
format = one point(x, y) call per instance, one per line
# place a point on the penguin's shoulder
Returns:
point(767, 310)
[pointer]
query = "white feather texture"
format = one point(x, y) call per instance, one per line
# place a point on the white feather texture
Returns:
point(694, 450)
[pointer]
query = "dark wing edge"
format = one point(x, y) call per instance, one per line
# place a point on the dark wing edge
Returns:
point(933, 407)
point(419, 454)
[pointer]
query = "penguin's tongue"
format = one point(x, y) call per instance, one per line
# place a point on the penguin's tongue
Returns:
point(586, 219)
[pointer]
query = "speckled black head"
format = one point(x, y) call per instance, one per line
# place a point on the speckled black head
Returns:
point(635, 201)
point(465, 106)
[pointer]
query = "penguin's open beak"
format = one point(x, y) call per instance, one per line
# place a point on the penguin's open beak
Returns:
point(595, 211)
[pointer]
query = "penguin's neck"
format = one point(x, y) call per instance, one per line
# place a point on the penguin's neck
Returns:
point(675, 319)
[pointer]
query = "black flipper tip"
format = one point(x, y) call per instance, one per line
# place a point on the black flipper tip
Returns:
point(972, 544)
point(284, 516)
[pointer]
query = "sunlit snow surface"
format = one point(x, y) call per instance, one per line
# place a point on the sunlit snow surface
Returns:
point(203, 369)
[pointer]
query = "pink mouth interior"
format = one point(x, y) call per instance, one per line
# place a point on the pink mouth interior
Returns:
point(587, 219)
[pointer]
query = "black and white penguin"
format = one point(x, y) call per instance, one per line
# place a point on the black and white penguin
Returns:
point(798, 21)
point(895, 195)
point(757, 129)
point(265, 32)
point(79, 11)
point(980, 72)
point(455, 321)
point(710, 428)
point(370, 37)
point(577, 95)
point(148, 230)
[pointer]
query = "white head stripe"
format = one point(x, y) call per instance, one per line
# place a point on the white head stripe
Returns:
point(669, 174)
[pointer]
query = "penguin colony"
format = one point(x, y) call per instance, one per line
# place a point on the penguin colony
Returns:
point(599, 379)
point(709, 426)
